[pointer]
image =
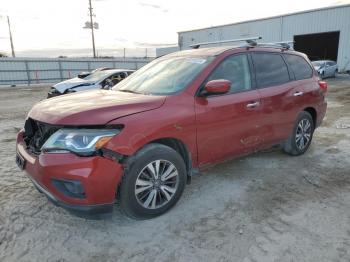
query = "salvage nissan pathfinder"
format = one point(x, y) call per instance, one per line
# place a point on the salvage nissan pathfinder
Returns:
point(141, 142)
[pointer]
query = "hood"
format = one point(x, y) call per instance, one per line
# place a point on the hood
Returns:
point(92, 107)
point(317, 67)
point(74, 82)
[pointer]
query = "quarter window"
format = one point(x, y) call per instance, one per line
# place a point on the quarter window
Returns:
point(235, 69)
point(299, 66)
point(271, 70)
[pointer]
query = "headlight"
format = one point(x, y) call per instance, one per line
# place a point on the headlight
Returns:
point(80, 141)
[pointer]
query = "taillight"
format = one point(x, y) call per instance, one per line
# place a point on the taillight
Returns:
point(323, 86)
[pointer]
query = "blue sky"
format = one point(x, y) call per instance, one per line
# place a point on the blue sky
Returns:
point(55, 27)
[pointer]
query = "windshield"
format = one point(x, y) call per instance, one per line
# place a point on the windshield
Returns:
point(164, 76)
point(317, 63)
point(99, 75)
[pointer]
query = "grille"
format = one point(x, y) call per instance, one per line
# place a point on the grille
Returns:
point(36, 133)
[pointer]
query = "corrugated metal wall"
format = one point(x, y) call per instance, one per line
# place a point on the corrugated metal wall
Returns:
point(282, 28)
point(15, 71)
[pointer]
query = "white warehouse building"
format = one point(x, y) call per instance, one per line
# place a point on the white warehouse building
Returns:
point(320, 33)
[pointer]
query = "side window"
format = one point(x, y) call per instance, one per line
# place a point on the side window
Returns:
point(116, 78)
point(299, 66)
point(271, 70)
point(236, 70)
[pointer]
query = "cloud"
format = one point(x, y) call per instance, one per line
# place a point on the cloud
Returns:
point(121, 39)
point(154, 6)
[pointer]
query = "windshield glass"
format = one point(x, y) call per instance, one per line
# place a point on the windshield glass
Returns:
point(317, 63)
point(99, 75)
point(164, 76)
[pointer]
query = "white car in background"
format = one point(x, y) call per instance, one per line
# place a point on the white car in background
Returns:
point(325, 68)
point(101, 79)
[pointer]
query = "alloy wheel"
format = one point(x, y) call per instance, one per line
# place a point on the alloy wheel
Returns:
point(303, 133)
point(156, 184)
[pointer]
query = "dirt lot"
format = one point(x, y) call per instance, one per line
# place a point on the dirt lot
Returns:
point(265, 207)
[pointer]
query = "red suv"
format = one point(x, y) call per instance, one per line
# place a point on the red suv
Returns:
point(143, 140)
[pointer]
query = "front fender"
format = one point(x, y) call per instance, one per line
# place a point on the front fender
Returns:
point(175, 119)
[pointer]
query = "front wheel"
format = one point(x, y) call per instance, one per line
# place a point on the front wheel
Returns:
point(300, 140)
point(153, 182)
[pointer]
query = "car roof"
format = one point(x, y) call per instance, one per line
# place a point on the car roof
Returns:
point(117, 70)
point(207, 51)
point(215, 51)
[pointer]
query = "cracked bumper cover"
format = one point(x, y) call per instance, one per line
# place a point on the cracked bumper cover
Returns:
point(99, 177)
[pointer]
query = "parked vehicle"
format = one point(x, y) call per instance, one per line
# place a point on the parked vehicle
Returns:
point(85, 74)
point(325, 68)
point(144, 139)
point(100, 79)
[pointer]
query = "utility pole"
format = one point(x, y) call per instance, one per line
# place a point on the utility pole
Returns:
point(92, 30)
point(12, 48)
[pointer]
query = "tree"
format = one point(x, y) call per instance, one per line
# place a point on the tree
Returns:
point(3, 55)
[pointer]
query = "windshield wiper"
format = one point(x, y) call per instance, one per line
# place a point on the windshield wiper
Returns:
point(128, 91)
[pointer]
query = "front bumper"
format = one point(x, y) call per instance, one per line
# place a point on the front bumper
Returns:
point(98, 176)
point(80, 210)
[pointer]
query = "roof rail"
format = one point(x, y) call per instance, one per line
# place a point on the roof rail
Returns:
point(251, 41)
point(283, 44)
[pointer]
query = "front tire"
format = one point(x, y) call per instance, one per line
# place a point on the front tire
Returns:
point(153, 182)
point(301, 137)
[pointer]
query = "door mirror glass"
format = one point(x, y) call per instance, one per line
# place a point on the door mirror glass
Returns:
point(220, 86)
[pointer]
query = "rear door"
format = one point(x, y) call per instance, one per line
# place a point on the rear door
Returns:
point(277, 94)
point(306, 86)
point(227, 124)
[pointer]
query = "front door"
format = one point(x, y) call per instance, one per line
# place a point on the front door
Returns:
point(227, 124)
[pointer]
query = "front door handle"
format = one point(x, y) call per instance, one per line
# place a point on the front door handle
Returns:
point(298, 93)
point(253, 104)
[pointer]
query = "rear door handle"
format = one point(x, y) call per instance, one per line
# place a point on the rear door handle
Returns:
point(253, 104)
point(298, 93)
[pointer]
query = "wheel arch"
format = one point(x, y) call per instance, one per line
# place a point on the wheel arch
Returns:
point(179, 147)
point(312, 111)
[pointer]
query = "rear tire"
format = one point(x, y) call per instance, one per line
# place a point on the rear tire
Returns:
point(153, 182)
point(301, 137)
point(335, 73)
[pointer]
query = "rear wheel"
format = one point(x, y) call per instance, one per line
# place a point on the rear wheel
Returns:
point(300, 140)
point(153, 182)
point(335, 73)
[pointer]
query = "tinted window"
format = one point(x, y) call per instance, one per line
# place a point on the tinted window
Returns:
point(236, 70)
point(299, 66)
point(270, 69)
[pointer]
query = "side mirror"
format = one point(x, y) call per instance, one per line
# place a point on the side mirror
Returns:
point(83, 74)
point(215, 87)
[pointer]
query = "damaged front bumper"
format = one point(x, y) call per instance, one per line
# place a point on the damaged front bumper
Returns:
point(84, 185)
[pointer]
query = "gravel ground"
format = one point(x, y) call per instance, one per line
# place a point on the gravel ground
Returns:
point(264, 207)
